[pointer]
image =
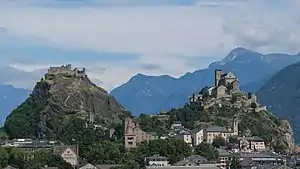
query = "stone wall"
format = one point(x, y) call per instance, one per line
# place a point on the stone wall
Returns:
point(67, 70)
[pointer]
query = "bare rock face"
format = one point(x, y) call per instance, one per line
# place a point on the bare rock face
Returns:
point(287, 132)
point(57, 98)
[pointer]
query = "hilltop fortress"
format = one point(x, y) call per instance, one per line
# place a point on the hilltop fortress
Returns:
point(67, 70)
point(226, 88)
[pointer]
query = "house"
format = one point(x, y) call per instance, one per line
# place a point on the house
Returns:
point(194, 160)
point(86, 166)
point(212, 132)
point(176, 125)
point(134, 134)
point(198, 136)
point(10, 167)
point(157, 160)
point(69, 153)
point(253, 143)
point(185, 135)
point(262, 158)
point(224, 158)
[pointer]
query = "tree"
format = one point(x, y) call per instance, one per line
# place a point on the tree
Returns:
point(233, 140)
point(235, 163)
point(207, 150)
point(3, 158)
point(218, 142)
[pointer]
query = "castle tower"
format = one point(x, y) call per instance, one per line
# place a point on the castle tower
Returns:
point(218, 74)
point(235, 125)
point(130, 137)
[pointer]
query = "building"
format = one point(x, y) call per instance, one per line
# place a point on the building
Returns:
point(86, 166)
point(69, 153)
point(134, 134)
point(66, 70)
point(157, 160)
point(29, 145)
point(253, 143)
point(260, 158)
point(178, 131)
point(10, 167)
point(194, 160)
point(212, 132)
point(198, 136)
point(224, 158)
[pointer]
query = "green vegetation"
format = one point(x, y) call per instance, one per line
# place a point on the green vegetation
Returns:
point(23, 121)
point(263, 124)
point(282, 93)
point(207, 150)
point(34, 160)
point(218, 142)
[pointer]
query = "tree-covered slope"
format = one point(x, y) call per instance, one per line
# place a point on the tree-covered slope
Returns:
point(281, 94)
point(54, 102)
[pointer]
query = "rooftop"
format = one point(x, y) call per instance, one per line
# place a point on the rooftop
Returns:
point(216, 129)
point(223, 152)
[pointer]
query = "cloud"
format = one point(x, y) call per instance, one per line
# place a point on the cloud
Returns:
point(152, 38)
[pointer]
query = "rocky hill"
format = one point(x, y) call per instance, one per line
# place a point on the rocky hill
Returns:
point(154, 93)
point(282, 95)
point(57, 98)
point(253, 120)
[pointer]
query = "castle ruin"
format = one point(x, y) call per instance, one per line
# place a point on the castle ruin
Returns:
point(67, 70)
point(226, 87)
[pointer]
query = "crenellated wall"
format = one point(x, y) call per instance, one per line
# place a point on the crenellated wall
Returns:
point(67, 70)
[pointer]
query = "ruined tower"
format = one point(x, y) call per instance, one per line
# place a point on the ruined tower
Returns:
point(218, 74)
point(130, 137)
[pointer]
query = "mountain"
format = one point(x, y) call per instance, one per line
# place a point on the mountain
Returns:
point(150, 94)
point(281, 94)
point(10, 98)
point(59, 98)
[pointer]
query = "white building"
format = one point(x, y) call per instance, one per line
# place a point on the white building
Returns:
point(68, 152)
point(198, 136)
point(157, 160)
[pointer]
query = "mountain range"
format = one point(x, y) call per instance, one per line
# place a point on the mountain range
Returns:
point(281, 94)
point(150, 94)
point(10, 98)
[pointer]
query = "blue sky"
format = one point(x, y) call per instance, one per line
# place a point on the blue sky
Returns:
point(116, 39)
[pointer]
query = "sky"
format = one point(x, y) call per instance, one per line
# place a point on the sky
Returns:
point(116, 39)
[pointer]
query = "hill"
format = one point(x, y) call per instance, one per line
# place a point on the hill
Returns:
point(10, 98)
point(281, 94)
point(221, 105)
point(150, 94)
point(62, 95)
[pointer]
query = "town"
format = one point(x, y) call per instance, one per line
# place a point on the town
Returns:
point(248, 152)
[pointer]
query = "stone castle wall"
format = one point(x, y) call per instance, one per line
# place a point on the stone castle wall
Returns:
point(67, 70)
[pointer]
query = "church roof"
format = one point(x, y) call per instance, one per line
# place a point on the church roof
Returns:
point(216, 129)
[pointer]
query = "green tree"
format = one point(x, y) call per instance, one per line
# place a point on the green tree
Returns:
point(235, 163)
point(218, 142)
point(3, 158)
point(207, 150)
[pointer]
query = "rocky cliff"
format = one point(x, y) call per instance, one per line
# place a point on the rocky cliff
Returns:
point(281, 93)
point(57, 98)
